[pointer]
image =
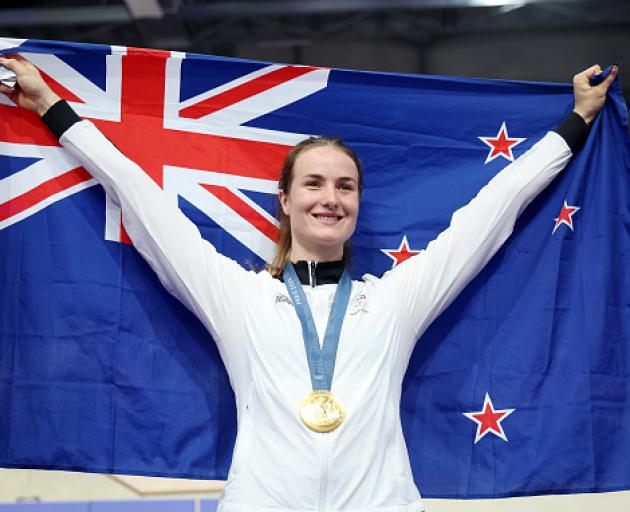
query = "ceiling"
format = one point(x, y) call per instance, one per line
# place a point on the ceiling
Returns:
point(218, 26)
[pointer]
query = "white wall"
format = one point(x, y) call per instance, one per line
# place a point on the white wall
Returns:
point(65, 486)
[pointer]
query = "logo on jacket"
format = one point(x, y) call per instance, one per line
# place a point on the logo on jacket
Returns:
point(281, 297)
point(359, 304)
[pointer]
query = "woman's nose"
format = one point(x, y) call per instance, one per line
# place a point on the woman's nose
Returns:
point(329, 196)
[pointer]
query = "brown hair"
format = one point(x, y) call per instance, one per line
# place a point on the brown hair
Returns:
point(283, 245)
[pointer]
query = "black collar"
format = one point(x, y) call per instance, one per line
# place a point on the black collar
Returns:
point(313, 273)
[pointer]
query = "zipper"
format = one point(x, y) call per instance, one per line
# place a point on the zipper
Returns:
point(324, 474)
point(311, 275)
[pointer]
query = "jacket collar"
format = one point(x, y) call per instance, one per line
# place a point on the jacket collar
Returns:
point(313, 273)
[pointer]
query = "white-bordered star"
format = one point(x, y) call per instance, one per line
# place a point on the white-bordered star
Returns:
point(566, 216)
point(401, 254)
point(501, 144)
point(489, 419)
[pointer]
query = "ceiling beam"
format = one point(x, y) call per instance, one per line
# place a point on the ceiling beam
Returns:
point(87, 15)
point(145, 9)
point(290, 7)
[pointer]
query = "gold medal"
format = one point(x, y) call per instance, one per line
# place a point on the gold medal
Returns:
point(321, 411)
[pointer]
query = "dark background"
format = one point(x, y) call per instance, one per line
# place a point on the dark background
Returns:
point(541, 40)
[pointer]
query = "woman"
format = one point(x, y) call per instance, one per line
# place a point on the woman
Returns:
point(315, 433)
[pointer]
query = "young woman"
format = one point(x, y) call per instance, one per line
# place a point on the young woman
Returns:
point(317, 429)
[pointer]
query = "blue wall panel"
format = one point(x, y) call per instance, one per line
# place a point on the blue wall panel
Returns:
point(46, 507)
point(209, 505)
point(143, 506)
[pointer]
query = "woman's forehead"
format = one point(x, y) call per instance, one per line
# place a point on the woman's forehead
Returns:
point(326, 161)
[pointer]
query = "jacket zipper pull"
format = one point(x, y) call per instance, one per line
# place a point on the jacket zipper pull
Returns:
point(312, 277)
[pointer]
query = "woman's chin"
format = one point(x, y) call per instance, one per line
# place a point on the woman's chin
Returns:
point(331, 245)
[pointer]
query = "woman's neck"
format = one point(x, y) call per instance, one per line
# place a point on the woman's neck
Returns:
point(320, 256)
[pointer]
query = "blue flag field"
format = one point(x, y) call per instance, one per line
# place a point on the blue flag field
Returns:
point(521, 387)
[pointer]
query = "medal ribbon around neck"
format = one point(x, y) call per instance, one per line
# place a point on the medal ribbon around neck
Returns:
point(328, 413)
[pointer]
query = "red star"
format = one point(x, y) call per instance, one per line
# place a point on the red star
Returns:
point(489, 420)
point(401, 254)
point(566, 216)
point(501, 145)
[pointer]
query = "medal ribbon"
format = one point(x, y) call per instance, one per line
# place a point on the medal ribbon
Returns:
point(321, 361)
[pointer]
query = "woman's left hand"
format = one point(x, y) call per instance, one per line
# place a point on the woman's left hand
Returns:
point(589, 99)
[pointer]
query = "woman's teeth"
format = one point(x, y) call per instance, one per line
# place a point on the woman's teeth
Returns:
point(327, 218)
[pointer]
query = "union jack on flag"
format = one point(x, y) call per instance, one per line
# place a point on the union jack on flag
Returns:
point(193, 141)
point(520, 387)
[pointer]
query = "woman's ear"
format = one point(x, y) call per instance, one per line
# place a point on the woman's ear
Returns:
point(284, 199)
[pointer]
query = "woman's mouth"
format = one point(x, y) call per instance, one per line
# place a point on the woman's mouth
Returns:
point(327, 218)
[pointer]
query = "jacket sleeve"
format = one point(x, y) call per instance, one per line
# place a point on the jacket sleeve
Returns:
point(188, 266)
point(423, 286)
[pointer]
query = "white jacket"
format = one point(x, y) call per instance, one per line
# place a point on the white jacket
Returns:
point(279, 465)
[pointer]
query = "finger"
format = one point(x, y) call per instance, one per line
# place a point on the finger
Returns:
point(12, 64)
point(15, 56)
point(593, 70)
point(10, 93)
point(583, 78)
point(611, 76)
point(22, 60)
point(26, 64)
point(605, 82)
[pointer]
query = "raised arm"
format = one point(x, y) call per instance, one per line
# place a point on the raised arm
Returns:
point(427, 283)
point(187, 265)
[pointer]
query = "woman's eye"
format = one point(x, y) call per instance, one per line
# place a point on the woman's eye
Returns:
point(312, 184)
point(346, 186)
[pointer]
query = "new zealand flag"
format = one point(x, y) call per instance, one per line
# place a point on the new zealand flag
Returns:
point(522, 386)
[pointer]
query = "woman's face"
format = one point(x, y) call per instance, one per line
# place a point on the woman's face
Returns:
point(322, 203)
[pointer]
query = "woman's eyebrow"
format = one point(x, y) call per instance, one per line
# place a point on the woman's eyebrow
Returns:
point(321, 177)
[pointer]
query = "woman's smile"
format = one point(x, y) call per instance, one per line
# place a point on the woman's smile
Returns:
point(322, 203)
point(327, 218)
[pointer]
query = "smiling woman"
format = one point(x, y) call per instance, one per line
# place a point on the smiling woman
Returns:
point(319, 191)
point(311, 442)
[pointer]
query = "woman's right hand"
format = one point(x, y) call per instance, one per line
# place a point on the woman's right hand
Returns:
point(31, 92)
